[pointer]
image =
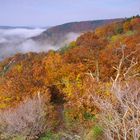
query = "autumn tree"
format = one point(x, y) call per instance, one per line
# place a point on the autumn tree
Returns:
point(95, 45)
point(127, 26)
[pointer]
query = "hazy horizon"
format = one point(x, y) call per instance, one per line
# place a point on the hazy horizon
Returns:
point(44, 13)
point(46, 27)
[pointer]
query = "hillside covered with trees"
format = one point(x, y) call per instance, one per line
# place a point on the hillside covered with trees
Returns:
point(56, 35)
point(88, 90)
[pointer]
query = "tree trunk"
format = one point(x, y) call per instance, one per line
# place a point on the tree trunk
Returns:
point(97, 66)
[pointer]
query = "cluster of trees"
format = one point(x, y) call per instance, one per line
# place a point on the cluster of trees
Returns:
point(72, 76)
point(119, 27)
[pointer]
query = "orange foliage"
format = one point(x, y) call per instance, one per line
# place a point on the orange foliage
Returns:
point(24, 75)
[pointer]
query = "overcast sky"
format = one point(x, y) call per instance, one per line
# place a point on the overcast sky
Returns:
point(54, 12)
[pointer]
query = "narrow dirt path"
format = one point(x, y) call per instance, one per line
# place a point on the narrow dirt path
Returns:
point(60, 115)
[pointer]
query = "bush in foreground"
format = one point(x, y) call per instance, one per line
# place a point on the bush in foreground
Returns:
point(28, 120)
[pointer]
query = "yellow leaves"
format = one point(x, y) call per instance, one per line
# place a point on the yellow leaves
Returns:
point(3, 105)
point(115, 38)
point(4, 101)
point(19, 68)
point(72, 85)
point(127, 26)
point(79, 82)
point(8, 99)
point(99, 31)
point(72, 44)
point(68, 86)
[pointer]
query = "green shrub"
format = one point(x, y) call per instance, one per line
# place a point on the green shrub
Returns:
point(89, 116)
point(119, 30)
point(97, 131)
point(50, 136)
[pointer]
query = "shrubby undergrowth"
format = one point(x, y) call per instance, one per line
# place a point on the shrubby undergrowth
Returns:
point(30, 119)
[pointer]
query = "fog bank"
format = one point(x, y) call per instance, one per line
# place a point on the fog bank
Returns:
point(19, 40)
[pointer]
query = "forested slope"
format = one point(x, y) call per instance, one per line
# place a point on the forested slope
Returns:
point(83, 89)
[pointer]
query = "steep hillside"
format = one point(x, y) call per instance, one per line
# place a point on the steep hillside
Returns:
point(81, 92)
point(58, 34)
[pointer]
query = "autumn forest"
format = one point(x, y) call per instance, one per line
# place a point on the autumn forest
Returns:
point(86, 90)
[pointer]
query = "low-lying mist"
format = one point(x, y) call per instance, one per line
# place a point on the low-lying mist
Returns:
point(19, 40)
